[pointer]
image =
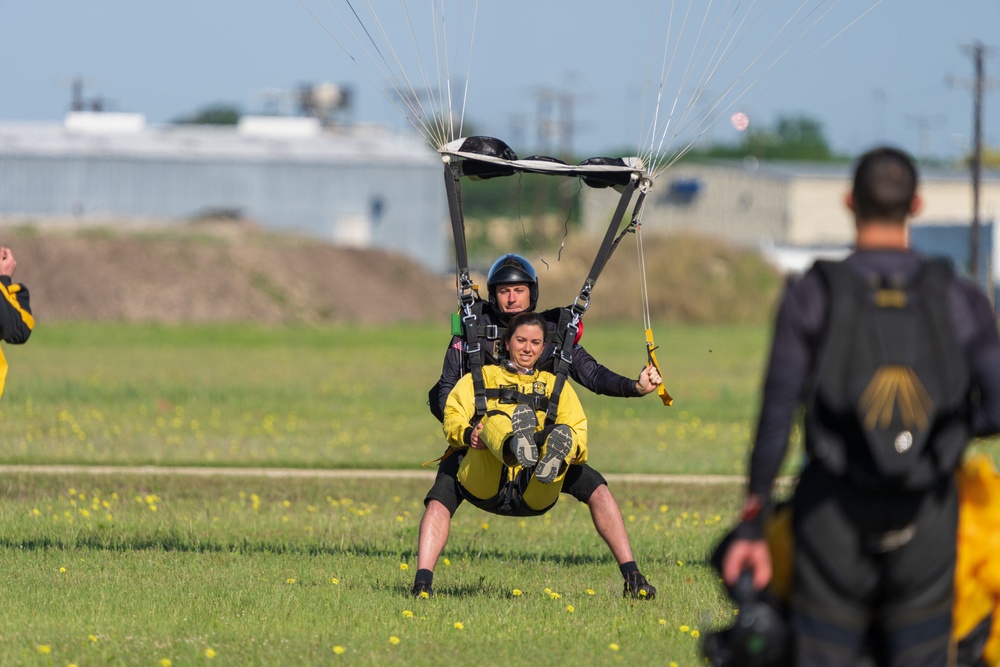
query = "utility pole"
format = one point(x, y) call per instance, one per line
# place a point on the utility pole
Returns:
point(925, 124)
point(979, 83)
point(977, 159)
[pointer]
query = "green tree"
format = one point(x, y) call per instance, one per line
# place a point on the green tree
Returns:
point(214, 114)
point(791, 138)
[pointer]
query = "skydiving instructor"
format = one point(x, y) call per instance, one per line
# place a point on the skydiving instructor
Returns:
point(16, 321)
point(897, 362)
point(513, 288)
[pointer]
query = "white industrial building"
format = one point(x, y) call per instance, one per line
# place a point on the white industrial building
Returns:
point(795, 212)
point(358, 186)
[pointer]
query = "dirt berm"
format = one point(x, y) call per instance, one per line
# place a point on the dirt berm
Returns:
point(230, 272)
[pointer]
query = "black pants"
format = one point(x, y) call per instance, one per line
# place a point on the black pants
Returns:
point(875, 569)
point(581, 482)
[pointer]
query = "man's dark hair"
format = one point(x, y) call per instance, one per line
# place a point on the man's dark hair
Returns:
point(527, 317)
point(885, 183)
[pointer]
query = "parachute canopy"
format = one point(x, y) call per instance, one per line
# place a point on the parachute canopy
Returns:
point(487, 157)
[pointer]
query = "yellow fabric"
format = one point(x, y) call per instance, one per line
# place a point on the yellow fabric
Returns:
point(480, 470)
point(977, 571)
point(781, 541)
point(661, 391)
point(10, 294)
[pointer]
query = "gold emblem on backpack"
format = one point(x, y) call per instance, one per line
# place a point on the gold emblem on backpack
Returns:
point(893, 387)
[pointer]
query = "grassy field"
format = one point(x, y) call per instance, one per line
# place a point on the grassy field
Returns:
point(103, 394)
point(132, 571)
point(142, 569)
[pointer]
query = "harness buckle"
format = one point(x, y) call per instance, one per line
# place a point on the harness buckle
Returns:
point(474, 349)
point(492, 332)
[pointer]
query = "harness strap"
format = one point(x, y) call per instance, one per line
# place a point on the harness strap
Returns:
point(569, 323)
point(474, 352)
point(512, 395)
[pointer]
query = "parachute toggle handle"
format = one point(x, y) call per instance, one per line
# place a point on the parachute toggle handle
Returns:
point(651, 355)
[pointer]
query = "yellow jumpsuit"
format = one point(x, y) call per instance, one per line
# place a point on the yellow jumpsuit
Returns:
point(484, 473)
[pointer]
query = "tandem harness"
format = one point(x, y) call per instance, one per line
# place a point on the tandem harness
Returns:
point(568, 326)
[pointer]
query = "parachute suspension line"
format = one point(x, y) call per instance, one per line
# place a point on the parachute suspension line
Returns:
point(719, 56)
point(410, 95)
point(569, 214)
point(669, 139)
point(441, 56)
point(728, 37)
point(647, 322)
point(425, 79)
point(647, 319)
point(468, 70)
point(643, 134)
point(412, 117)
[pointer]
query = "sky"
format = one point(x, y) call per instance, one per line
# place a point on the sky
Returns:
point(899, 74)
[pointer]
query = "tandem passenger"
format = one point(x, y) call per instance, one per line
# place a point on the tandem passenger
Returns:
point(513, 288)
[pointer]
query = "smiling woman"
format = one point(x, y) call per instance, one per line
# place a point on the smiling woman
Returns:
point(515, 462)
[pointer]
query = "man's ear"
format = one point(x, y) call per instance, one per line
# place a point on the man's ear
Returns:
point(916, 205)
point(849, 201)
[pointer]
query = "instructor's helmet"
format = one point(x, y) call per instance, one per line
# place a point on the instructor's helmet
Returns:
point(508, 270)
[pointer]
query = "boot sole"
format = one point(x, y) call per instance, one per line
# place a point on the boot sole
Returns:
point(557, 447)
point(523, 422)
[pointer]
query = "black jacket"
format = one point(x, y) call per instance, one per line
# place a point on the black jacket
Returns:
point(584, 370)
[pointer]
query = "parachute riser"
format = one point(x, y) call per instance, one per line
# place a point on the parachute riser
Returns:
point(466, 288)
point(453, 188)
point(612, 237)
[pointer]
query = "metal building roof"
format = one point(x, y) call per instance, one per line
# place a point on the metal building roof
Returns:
point(265, 139)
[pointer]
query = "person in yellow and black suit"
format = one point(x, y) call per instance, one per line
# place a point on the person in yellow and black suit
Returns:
point(16, 321)
point(514, 466)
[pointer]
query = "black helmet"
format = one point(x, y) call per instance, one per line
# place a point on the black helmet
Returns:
point(511, 269)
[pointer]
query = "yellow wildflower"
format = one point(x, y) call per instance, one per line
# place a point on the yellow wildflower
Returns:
point(339, 650)
point(394, 640)
point(684, 628)
point(590, 591)
point(44, 648)
point(289, 581)
point(459, 625)
point(516, 592)
point(570, 608)
point(613, 647)
point(407, 613)
point(404, 567)
point(209, 652)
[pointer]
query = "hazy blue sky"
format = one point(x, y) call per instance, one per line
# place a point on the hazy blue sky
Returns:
point(885, 78)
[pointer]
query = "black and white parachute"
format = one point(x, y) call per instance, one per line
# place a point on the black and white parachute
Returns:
point(702, 58)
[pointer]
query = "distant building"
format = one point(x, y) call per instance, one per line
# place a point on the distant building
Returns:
point(356, 186)
point(794, 212)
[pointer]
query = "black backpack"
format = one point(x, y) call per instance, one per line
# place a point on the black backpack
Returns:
point(889, 401)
